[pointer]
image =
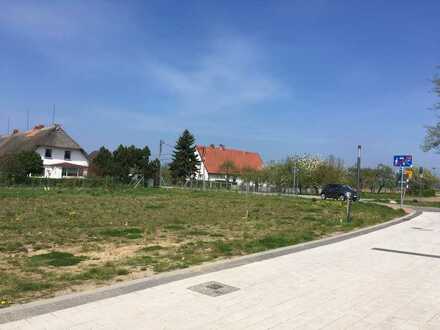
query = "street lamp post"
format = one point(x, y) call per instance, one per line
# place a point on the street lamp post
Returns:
point(358, 166)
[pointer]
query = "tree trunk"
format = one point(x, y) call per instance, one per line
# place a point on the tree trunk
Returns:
point(380, 189)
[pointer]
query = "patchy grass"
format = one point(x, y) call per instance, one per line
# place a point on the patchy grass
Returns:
point(56, 259)
point(70, 239)
point(130, 233)
point(151, 248)
point(412, 201)
point(382, 195)
point(421, 203)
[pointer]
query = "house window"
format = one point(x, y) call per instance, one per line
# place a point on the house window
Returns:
point(67, 155)
point(67, 171)
point(48, 153)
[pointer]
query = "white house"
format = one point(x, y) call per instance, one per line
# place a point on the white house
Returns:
point(213, 159)
point(62, 156)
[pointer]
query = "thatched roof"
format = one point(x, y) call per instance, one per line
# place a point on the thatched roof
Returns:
point(52, 136)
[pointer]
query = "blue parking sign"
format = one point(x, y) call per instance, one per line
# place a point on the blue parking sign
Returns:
point(402, 161)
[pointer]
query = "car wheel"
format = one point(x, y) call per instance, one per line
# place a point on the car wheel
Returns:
point(323, 196)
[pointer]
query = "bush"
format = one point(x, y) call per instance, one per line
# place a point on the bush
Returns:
point(89, 182)
point(424, 193)
point(16, 167)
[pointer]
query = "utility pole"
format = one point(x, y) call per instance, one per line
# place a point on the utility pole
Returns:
point(202, 166)
point(294, 179)
point(53, 115)
point(27, 120)
point(161, 142)
point(9, 124)
point(358, 166)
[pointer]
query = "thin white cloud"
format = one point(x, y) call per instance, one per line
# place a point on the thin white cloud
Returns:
point(43, 21)
point(229, 77)
point(39, 19)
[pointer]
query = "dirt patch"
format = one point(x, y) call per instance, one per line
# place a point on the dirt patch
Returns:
point(90, 286)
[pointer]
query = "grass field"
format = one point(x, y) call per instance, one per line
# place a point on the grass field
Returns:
point(412, 202)
point(59, 241)
point(409, 199)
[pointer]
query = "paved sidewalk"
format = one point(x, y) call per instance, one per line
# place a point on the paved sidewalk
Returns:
point(388, 279)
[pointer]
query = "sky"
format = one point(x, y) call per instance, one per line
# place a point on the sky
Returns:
point(275, 77)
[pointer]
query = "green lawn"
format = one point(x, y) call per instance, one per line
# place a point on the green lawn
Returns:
point(387, 195)
point(412, 202)
point(60, 241)
point(421, 203)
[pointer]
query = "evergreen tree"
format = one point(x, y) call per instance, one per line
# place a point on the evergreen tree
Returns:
point(102, 163)
point(130, 160)
point(122, 163)
point(185, 163)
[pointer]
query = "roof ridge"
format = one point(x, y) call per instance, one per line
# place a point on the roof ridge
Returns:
point(224, 148)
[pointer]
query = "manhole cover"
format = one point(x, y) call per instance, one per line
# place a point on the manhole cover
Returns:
point(214, 286)
point(213, 289)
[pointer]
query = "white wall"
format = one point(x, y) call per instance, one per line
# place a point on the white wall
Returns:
point(76, 156)
point(204, 175)
point(52, 171)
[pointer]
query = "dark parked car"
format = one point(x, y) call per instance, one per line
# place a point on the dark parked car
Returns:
point(339, 191)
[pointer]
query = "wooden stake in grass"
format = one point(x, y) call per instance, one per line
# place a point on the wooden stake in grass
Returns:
point(247, 201)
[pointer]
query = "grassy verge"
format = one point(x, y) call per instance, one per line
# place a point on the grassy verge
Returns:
point(60, 241)
point(416, 202)
point(411, 202)
point(370, 195)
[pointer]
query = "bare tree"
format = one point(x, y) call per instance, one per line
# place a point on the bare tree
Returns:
point(432, 138)
point(228, 167)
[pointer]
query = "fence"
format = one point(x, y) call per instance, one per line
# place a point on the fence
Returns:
point(115, 183)
point(89, 182)
point(243, 187)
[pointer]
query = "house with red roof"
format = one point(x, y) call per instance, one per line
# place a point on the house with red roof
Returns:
point(217, 163)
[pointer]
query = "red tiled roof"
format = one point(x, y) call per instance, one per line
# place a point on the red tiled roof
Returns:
point(213, 158)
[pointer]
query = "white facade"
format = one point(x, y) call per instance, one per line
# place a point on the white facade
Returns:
point(56, 166)
point(202, 173)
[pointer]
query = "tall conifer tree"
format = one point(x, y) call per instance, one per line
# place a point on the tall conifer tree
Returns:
point(185, 163)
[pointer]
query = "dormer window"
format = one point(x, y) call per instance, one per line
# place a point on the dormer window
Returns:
point(67, 155)
point(48, 153)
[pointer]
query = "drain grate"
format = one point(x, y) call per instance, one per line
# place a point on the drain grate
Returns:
point(215, 286)
point(213, 289)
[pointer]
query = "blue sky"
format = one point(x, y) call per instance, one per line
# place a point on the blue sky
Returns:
point(277, 77)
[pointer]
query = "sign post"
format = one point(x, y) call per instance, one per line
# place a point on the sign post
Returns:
point(401, 187)
point(348, 196)
point(402, 161)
